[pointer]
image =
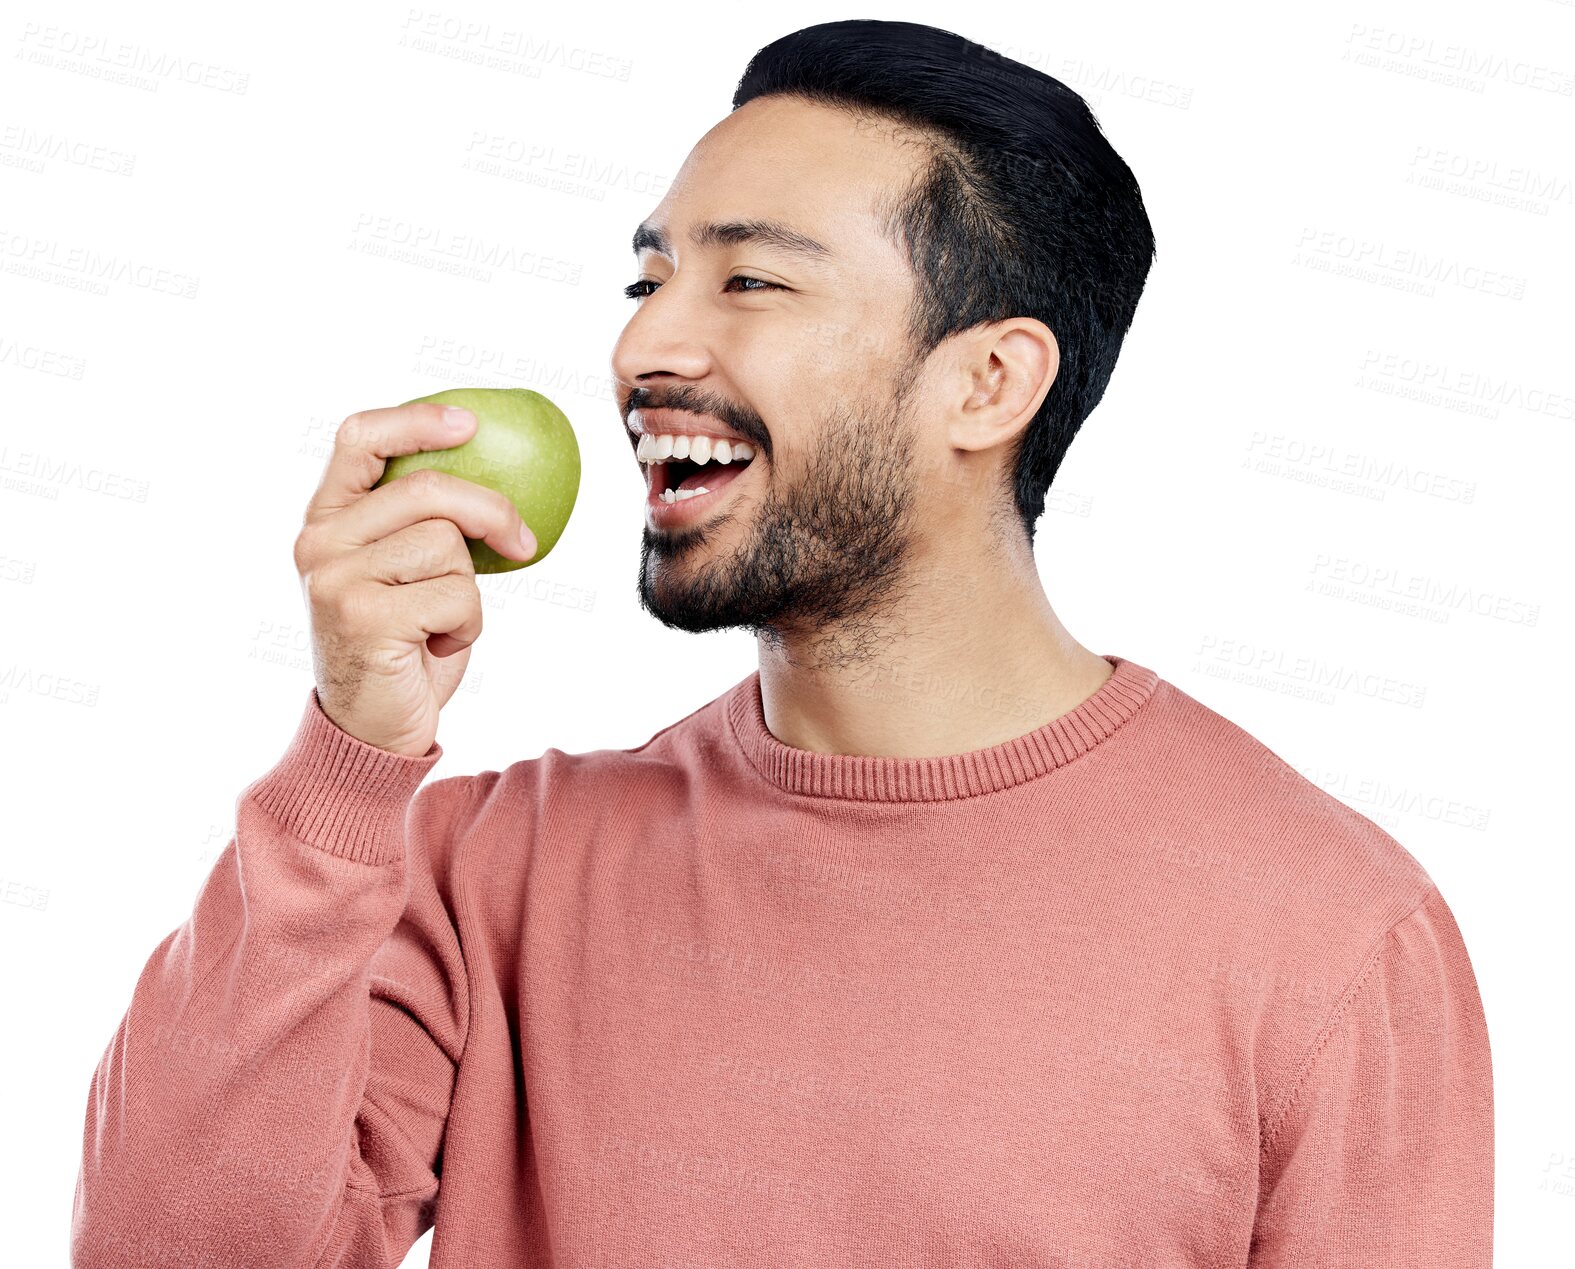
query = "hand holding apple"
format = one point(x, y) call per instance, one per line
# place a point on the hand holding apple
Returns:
point(524, 448)
point(390, 585)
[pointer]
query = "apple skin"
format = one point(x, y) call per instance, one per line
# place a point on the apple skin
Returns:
point(524, 448)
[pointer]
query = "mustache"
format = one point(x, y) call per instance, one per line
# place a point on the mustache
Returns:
point(745, 422)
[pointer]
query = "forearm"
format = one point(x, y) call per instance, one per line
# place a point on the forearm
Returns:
point(226, 1118)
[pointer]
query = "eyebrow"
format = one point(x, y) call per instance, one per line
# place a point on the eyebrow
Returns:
point(770, 234)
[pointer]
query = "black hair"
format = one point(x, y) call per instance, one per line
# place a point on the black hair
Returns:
point(1023, 210)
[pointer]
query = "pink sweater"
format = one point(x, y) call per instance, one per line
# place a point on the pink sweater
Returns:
point(1127, 991)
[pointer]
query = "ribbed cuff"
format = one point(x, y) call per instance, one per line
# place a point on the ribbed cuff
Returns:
point(340, 794)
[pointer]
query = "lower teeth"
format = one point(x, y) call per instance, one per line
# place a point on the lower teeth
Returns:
point(678, 495)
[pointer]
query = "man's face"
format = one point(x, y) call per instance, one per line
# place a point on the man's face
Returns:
point(804, 356)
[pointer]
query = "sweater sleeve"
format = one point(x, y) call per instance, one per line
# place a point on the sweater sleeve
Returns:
point(1382, 1151)
point(277, 1090)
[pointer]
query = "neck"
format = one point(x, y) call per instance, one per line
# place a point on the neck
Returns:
point(959, 657)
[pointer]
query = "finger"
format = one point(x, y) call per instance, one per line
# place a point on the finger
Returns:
point(426, 494)
point(365, 441)
point(432, 548)
point(446, 645)
point(449, 606)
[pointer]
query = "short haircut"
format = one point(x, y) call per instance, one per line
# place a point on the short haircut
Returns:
point(1023, 210)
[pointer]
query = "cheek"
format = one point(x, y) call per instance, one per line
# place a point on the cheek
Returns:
point(799, 372)
point(841, 351)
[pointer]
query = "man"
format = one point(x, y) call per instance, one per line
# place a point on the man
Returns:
point(940, 940)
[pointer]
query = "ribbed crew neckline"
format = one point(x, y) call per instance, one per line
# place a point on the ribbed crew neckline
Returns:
point(942, 777)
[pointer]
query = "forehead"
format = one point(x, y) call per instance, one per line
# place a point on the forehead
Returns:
point(783, 164)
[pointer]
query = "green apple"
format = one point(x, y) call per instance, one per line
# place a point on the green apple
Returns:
point(524, 448)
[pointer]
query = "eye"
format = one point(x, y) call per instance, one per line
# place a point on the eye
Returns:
point(761, 282)
point(634, 290)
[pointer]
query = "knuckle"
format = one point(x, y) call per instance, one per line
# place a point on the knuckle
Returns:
point(448, 543)
point(319, 588)
point(404, 555)
point(350, 433)
point(508, 514)
point(426, 482)
point(440, 538)
point(317, 600)
point(427, 549)
point(469, 601)
point(453, 542)
point(432, 546)
point(304, 551)
point(334, 595)
point(459, 561)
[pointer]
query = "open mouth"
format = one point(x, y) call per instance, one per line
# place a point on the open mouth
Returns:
point(693, 467)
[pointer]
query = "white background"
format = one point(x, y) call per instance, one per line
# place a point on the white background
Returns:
point(1322, 495)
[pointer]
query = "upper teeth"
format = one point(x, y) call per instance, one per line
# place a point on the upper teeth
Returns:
point(697, 449)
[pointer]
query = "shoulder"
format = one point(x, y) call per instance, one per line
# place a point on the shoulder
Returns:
point(1282, 838)
point(557, 776)
point(1309, 904)
point(505, 815)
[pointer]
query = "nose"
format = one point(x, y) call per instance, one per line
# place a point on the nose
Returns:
point(666, 338)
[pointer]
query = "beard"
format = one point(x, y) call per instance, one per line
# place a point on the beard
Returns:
point(819, 559)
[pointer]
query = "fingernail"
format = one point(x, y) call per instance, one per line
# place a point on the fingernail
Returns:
point(457, 418)
point(527, 540)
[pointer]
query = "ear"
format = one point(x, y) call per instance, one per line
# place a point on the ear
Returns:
point(1006, 369)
